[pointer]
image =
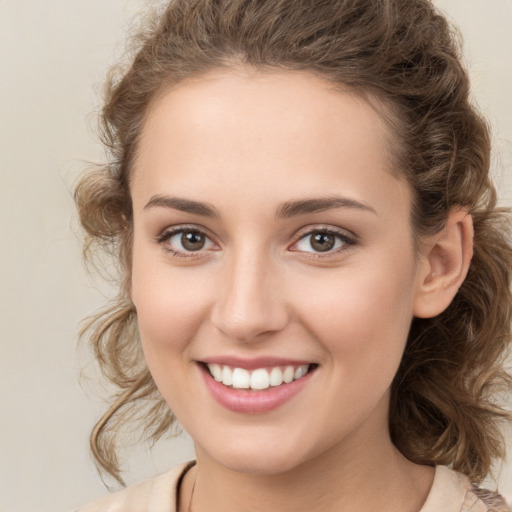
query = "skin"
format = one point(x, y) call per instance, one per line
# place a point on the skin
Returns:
point(244, 142)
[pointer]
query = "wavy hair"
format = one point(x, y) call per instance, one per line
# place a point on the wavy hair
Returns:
point(404, 55)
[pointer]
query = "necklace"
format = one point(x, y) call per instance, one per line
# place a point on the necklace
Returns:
point(189, 509)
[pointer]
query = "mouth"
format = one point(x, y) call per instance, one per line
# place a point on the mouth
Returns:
point(257, 379)
point(255, 386)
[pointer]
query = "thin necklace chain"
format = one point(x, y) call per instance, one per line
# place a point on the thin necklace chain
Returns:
point(189, 509)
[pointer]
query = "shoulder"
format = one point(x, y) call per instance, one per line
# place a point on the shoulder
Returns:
point(453, 492)
point(492, 501)
point(158, 494)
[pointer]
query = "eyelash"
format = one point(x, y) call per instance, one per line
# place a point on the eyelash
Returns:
point(168, 234)
point(346, 241)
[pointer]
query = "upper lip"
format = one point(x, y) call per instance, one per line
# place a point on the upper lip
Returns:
point(254, 363)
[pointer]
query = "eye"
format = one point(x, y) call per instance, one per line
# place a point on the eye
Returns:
point(185, 240)
point(322, 241)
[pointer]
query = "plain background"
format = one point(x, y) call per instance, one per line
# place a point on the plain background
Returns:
point(53, 57)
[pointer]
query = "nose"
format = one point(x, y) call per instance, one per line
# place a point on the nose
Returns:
point(249, 299)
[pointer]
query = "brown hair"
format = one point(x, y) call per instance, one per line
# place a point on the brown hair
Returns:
point(402, 53)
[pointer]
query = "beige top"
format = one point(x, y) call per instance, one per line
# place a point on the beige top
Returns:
point(451, 492)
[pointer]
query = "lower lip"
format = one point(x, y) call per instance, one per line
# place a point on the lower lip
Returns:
point(253, 402)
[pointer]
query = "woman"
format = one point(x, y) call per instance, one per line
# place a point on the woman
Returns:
point(314, 272)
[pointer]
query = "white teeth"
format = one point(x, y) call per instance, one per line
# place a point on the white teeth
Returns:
point(216, 372)
point(259, 379)
point(288, 374)
point(300, 372)
point(241, 378)
point(227, 376)
point(276, 377)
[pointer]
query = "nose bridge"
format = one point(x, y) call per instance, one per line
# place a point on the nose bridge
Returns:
point(249, 300)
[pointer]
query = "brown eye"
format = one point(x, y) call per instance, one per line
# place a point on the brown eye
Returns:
point(183, 241)
point(322, 242)
point(192, 240)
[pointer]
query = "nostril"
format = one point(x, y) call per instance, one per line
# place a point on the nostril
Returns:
point(249, 324)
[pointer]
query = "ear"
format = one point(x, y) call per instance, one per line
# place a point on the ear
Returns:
point(445, 265)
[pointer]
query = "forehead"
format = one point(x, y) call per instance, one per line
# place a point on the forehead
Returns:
point(263, 103)
point(241, 129)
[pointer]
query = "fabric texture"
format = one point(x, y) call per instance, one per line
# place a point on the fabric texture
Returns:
point(451, 492)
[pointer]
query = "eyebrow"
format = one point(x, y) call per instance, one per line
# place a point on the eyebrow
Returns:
point(284, 211)
point(317, 205)
point(184, 205)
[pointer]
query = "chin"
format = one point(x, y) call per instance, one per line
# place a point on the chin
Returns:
point(261, 463)
point(263, 457)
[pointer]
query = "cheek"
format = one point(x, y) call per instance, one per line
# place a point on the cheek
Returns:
point(169, 313)
point(170, 306)
point(362, 316)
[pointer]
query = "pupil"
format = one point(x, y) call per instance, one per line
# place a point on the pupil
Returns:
point(322, 242)
point(192, 240)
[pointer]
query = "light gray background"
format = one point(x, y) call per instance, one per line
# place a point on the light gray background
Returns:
point(53, 55)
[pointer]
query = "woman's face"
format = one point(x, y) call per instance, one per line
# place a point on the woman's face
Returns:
point(270, 240)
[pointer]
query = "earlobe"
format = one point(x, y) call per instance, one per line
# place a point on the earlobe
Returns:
point(445, 265)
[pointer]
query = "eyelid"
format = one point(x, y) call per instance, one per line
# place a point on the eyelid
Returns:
point(349, 239)
point(171, 231)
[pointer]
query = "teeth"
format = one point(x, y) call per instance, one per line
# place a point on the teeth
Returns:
point(276, 377)
point(216, 372)
point(288, 374)
point(227, 376)
point(241, 378)
point(262, 378)
point(300, 372)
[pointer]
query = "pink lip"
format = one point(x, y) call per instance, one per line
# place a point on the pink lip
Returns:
point(253, 402)
point(254, 363)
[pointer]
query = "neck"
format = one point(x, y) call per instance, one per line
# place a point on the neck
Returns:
point(360, 480)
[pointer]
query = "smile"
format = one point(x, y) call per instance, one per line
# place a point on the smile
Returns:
point(255, 386)
point(259, 378)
